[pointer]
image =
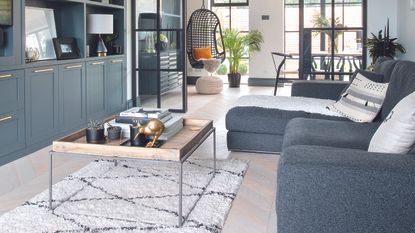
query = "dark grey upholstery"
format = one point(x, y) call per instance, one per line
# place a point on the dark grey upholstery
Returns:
point(271, 123)
point(402, 83)
point(264, 120)
point(254, 142)
point(328, 182)
point(339, 134)
point(318, 89)
point(331, 190)
point(385, 66)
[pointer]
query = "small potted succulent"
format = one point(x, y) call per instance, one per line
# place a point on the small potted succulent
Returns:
point(114, 132)
point(95, 132)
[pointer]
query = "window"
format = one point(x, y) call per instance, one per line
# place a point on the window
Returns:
point(327, 37)
point(216, 3)
point(234, 14)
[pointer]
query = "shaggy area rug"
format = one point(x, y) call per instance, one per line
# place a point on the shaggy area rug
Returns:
point(138, 196)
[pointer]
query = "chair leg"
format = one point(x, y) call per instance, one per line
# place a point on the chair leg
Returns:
point(276, 84)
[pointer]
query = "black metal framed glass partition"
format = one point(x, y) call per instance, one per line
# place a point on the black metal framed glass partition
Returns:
point(327, 37)
point(159, 68)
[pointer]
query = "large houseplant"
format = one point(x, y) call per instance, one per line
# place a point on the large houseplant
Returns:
point(320, 21)
point(236, 46)
point(383, 46)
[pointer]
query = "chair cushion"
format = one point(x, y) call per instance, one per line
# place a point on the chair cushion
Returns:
point(362, 101)
point(318, 132)
point(402, 83)
point(397, 133)
point(200, 53)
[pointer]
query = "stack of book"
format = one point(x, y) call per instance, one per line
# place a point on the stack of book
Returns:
point(139, 114)
point(173, 124)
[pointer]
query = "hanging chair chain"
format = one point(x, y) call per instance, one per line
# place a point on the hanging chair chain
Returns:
point(203, 4)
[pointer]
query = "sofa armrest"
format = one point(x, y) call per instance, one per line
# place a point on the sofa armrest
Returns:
point(323, 189)
point(318, 89)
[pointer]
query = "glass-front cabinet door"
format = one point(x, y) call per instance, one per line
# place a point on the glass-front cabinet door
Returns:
point(158, 57)
point(332, 34)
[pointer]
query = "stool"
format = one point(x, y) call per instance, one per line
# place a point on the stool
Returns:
point(209, 85)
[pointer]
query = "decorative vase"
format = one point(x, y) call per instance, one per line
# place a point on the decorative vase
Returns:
point(95, 136)
point(234, 80)
point(114, 133)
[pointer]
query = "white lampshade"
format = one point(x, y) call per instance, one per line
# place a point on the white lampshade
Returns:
point(100, 24)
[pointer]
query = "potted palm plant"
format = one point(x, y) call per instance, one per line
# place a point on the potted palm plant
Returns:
point(383, 45)
point(236, 46)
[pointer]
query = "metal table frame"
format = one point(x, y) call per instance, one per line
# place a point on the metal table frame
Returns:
point(182, 160)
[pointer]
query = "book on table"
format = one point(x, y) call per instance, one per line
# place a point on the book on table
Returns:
point(145, 112)
point(142, 115)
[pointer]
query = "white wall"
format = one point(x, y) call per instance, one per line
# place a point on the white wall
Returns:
point(378, 13)
point(406, 30)
point(261, 65)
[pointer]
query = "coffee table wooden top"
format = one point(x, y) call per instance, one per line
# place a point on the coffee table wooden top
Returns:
point(173, 150)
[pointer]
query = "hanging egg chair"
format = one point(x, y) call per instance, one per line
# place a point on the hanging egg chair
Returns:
point(204, 38)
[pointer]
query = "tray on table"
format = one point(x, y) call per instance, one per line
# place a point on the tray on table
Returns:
point(173, 149)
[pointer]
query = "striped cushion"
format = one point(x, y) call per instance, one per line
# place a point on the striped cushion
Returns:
point(362, 101)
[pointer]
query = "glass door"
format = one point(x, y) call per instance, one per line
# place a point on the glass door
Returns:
point(331, 38)
point(159, 54)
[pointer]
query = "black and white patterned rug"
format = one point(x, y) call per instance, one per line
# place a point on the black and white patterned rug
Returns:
point(139, 196)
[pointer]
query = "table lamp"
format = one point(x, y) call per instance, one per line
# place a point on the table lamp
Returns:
point(100, 24)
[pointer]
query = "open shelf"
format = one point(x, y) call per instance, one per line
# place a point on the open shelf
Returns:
point(119, 24)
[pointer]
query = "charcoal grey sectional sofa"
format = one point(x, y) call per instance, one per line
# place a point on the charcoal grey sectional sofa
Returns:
point(327, 181)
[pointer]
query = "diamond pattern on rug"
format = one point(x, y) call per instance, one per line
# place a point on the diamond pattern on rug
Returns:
point(135, 196)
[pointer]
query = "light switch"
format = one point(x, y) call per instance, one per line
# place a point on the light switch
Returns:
point(265, 17)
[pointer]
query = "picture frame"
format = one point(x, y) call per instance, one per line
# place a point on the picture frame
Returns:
point(66, 48)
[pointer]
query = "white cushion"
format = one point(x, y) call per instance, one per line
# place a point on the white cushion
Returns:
point(397, 133)
point(211, 65)
point(362, 101)
point(287, 103)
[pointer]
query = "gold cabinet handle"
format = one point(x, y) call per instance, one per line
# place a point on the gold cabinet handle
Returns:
point(97, 63)
point(5, 118)
point(6, 76)
point(43, 70)
point(116, 61)
point(73, 67)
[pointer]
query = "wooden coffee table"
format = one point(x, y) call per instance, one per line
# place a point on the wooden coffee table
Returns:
point(177, 149)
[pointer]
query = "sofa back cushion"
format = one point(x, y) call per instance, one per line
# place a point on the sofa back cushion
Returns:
point(397, 133)
point(401, 84)
point(385, 66)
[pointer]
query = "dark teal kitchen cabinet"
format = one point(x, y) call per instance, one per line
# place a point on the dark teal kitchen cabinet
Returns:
point(12, 132)
point(72, 105)
point(41, 103)
point(11, 90)
point(95, 90)
point(115, 80)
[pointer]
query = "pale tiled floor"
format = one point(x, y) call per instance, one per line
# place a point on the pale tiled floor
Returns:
point(253, 209)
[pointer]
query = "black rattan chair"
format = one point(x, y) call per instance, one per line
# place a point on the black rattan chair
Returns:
point(204, 31)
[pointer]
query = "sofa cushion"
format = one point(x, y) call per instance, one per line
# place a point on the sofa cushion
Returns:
point(402, 83)
point(397, 133)
point(270, 114)
point(385, 66)
point(362, 101)
point(318, 132)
